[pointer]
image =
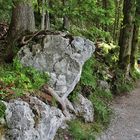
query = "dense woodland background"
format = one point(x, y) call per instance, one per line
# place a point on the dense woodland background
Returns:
point(112, 24)
point(99, 20)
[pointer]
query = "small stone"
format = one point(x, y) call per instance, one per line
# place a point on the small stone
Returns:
point(84, 108)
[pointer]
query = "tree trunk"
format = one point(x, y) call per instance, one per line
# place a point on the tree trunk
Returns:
point(47, 17)
point(47, 21)
point(105, 7)
point(126, 35)
point(43, 15)
point(118, 13)
point(65, 23)
point(65, 18)
point(22, 20)
point(135, 37)
point(134, 45)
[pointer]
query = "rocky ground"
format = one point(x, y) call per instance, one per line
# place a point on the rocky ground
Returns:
point(125, 124)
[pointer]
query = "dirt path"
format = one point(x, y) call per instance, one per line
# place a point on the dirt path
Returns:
point(126, 122)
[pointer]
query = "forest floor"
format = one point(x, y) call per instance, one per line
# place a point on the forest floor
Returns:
point(125, 123)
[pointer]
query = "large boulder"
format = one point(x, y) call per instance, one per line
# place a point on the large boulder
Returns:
point(32, 120)
point(61, 56)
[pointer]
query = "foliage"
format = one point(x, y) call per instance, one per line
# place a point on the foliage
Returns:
point(121, 83)
point(135, 74)
point(87, 77)
point(100, 98)
point(93, 33)
point(102, 110)
point(17, 78)
point(73, 96)
point(2, 109)
point(5, 10)
point(81, 131)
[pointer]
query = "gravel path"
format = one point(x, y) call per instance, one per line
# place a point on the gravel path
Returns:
point(125, 124)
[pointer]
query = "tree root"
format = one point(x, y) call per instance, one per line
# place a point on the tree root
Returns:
point(27, 38)
point(65, 103)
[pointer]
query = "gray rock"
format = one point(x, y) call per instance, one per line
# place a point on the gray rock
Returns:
point(104, 85)
point(32, 121)
point(84, 108)
point(62, 59)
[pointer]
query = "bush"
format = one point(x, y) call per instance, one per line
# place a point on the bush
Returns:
point(102, 110)
point(121, 83)
point(16, 79)
point(81, 131)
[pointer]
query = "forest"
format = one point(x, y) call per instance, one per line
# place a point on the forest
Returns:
point(69, 59)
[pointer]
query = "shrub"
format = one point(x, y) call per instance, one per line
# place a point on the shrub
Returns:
point(81, 131)
point(16, 79)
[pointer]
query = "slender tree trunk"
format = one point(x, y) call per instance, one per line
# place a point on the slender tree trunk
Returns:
point(65, 19)
point(135, 37)
point(126, 35)
point(118, 13)
point(134, 45)
point(47, 21)
point(65, 23)
point(43, 15)
point(105, 6)
point(47, 17)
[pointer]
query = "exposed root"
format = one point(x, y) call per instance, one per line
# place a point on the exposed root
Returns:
point(64, 103)
point(27, 38)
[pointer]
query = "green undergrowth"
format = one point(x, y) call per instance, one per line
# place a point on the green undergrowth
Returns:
point(93, 71)
point(82, 131)
point(135, 73)
point(101, 67)
point(15, 79)
point(121, 84)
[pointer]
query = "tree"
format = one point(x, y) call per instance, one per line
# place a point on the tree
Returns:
point(47, 16)
point(22, 19)
point(135, 36)
point(65, 18)
point(118, 13)
point(126, 35)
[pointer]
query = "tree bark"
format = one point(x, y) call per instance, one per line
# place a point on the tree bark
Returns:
point(135, 39)
point(105, 7)
point(43, 15)
point(47, 17)
point(134, 46)
point(118, 13)
point(65, 18)
point(22, 20)
point(126, 35)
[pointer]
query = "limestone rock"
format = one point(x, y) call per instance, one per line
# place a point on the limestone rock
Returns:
point(32, 121)
point(61, 58)
point(84, 108)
